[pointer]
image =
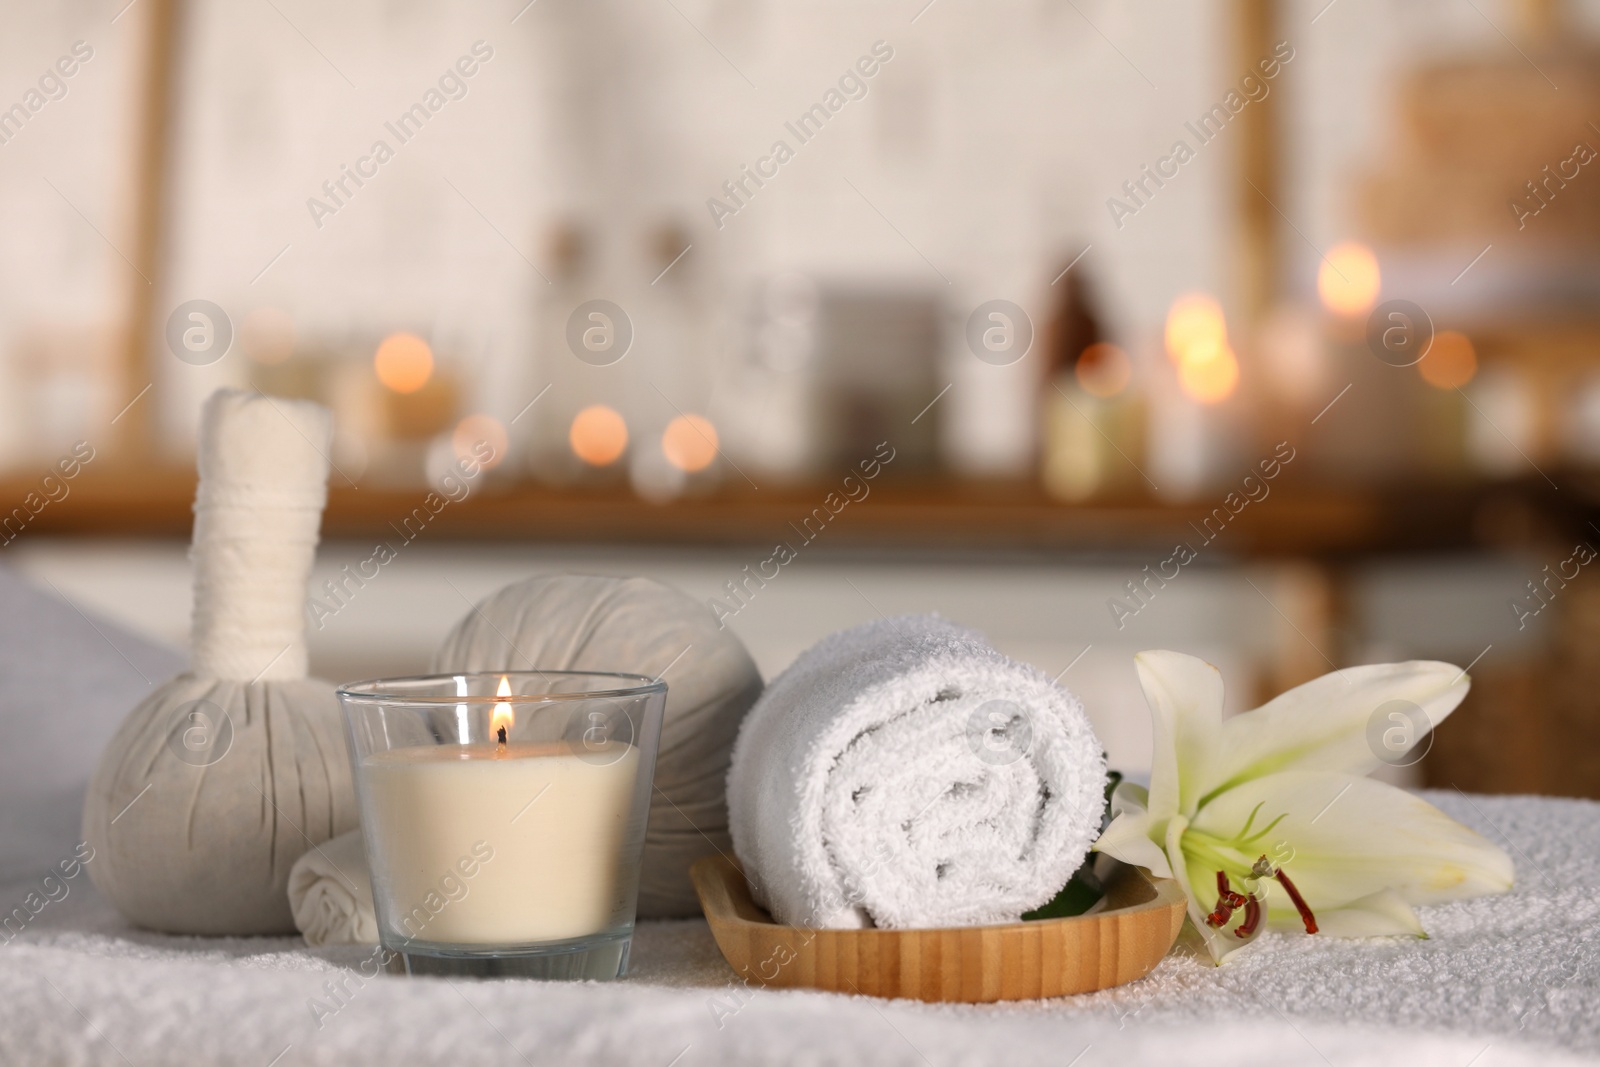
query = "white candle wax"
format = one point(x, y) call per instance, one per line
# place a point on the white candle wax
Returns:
point(476, 845)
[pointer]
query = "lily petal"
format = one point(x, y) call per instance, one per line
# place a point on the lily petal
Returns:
point(1323, 725)
point(1129, 796)
point(1343, 838)
point(1185, 696)
point(1128, 839)
point(1188, 876)
point(1383, 912)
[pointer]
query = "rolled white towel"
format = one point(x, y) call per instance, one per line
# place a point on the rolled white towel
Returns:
point(905, 774)
point(330, 893)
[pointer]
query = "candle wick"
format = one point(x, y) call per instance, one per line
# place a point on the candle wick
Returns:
point(500, 732)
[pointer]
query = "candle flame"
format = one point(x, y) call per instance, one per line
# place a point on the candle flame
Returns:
point(502, 716)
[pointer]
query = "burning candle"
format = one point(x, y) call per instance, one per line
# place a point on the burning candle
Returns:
point(504, 838)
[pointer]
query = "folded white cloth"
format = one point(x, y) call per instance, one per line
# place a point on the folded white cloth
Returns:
point(905, 774)
point(330, 893)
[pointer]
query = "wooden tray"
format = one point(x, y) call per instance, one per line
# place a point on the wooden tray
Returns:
point(1121, 938)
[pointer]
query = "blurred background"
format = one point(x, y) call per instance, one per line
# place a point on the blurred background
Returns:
point(1264, 331)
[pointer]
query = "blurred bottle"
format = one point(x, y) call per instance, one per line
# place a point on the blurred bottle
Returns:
point(770, 400)
point(1581, 422)
point(551, 416)
point(1503, 440)
point(577, 434)
point(1094, 420)
point(679, 448)
point(1448, 366)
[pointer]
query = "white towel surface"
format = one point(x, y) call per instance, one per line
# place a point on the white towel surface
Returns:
point(905, 774)
point(1502, 982)
point(330, 893)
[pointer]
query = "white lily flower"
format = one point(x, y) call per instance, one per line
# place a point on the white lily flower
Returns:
point(1251, 812)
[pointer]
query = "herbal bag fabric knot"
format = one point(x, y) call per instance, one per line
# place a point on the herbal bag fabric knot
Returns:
point(905, 774)
point(219, 780)
point(637, 626)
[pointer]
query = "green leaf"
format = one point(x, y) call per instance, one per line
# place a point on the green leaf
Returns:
point(1078, 896)
point(1083, 888)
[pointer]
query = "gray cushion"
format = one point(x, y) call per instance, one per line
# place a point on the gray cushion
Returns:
point(66, 681)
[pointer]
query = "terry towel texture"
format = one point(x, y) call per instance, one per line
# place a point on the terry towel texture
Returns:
point(330, 893)
point(1507, 981)
point(905, 774)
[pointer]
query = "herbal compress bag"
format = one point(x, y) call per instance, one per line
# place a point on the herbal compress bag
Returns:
point(226, 774)
point(580, 622)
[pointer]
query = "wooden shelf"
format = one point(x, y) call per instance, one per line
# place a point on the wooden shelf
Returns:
point(944, 516)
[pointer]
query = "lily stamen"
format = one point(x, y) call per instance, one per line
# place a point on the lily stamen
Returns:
point(1264, 869)
point(1300, 904)
point(1252, 917)
point(1227, 901)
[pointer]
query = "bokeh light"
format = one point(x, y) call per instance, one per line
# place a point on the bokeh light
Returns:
point(1195, 320)
point(404, 362)
point(1103, 370)
point(1450, 362)
point(598, 435)
point(690, 442)
point(1209, 373)
point(1348, 281)
point(481, 438)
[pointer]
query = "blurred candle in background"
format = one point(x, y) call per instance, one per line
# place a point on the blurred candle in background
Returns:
point(690, 443)
point(1189, 432)
point(598, 435)
point(1450, 361)
point(403, 362)
point(1348, 280)
point(1197, 343)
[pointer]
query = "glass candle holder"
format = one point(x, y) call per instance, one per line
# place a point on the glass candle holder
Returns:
point(504, 817)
